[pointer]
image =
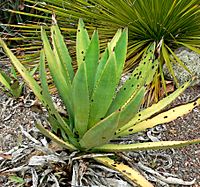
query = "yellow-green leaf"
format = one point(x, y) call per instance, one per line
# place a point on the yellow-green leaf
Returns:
point(129, 173)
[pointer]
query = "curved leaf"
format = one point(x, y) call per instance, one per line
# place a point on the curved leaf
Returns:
point(161, 118)
point(101, 133)
point(155, 108)
point(129, 173)
point(144, 146)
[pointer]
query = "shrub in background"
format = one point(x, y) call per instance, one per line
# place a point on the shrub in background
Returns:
point(176, 21)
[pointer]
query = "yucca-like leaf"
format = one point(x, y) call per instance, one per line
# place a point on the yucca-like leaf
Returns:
point(168, 62)
point(129, 173)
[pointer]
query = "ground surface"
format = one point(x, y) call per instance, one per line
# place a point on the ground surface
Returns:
point(184, 162)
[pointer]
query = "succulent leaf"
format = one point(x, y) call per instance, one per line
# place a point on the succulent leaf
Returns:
point(101, 133)
point(137, 79)
point(91, 60)
point(131, 108)
point(82, 42)
point(128, 172)
point(81, 103)
point(120, 52)
point(106, 85)
point(162, 118)
point(155, 108)
point(24, 73)
point(62, 51)
point(113, 42)
point(64, 87)
point(53, 113)
point(59, 141)
point(101, 65)
point(5, 80)
point(144, 146)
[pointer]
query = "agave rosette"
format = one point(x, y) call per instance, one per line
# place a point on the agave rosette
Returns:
point(96, 112)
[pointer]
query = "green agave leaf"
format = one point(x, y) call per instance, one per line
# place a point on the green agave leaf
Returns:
point(62, 51)
point(64, 87)
point(136, 80)
point(113, 42)
point(131, 108)
point(101, 133)
point(50, 135)
point(91, 60)
point(119, 45)
point(101, 65)
point(128, 172)
point(106, 85)
point(162, 118)
point(120, 52)
point(155, 108)
point(53, 113)
point(82, 42)
point(81, 100)
point(144, 146)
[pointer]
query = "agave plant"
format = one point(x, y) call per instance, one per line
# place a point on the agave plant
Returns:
point(97, 113)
